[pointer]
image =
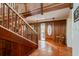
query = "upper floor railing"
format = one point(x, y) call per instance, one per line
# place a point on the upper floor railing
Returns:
point(10, 19)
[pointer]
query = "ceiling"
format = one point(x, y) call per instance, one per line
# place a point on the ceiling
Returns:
point(58, 14)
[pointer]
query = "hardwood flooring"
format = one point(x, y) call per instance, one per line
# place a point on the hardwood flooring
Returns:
point(47, 48)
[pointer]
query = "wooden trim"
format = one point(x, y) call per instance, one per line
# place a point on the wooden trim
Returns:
point(8, 17)
point(48, 8)
point(25, 4)
point(44, 21)
point(3, 15)
point(57, 7)
point(12, 20)
point(41, 8)
point(15, 22)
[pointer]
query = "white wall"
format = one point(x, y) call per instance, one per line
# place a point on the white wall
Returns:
point(75, 40)
point(73, 32)
point(69, 30)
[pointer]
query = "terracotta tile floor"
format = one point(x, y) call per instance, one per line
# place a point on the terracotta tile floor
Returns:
point(48, 49)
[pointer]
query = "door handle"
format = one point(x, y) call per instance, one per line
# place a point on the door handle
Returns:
point(62, 37)
point(58, 36)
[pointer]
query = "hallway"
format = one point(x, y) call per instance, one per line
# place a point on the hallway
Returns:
point(47, 49)
point(35, 35)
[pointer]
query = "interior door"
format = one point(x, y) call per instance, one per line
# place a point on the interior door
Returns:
point(60, 32)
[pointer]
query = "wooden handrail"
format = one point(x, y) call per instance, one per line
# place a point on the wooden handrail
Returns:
point(21, 18)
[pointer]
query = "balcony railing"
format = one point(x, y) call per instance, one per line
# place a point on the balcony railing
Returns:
point(11, 20)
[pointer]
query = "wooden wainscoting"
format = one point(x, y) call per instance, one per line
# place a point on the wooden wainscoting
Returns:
point(58, 35)
point(58, 32)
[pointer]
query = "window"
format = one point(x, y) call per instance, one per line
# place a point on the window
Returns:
point(49, 30)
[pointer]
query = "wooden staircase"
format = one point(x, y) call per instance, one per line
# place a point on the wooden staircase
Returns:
point(17, 37)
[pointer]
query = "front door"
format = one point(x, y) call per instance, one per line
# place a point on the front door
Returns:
point(42, 32)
